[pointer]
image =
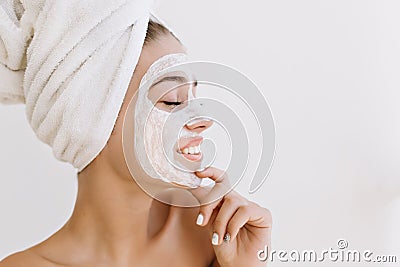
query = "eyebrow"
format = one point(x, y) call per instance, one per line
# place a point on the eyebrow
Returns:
point(174, 79)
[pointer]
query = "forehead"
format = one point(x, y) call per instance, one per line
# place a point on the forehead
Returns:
point(164, 45)
point(175, 78)
point(172, 83)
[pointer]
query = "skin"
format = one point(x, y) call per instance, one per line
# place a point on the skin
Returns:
point(114, 223)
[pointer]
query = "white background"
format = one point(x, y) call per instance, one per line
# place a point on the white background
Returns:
point(330, 71)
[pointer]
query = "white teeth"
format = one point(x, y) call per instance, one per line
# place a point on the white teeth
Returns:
point(191, 150)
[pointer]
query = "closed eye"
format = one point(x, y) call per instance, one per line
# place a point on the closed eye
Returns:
point(168, 103)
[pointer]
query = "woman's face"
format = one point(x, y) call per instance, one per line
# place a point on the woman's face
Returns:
point(112, 155)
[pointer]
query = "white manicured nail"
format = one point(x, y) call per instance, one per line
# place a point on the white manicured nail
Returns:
point(215, 239)
point(200, 219)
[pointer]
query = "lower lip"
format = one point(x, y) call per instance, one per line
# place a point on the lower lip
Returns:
point(192, 157)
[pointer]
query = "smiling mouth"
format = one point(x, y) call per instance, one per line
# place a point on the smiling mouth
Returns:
point(191, 148)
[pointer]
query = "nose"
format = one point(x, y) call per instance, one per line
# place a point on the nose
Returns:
point(199, 126)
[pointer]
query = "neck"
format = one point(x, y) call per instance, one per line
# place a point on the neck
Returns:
point(111, 214)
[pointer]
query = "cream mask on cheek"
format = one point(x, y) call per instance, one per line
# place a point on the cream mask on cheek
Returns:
point(163, 151)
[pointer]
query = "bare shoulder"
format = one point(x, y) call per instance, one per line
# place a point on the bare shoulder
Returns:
point(24, 259)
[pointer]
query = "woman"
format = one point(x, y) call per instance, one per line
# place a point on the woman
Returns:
point(115, 223)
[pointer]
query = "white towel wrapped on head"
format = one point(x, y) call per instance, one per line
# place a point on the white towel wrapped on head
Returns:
point(70, 62)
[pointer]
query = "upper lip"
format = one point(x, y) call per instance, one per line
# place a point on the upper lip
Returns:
point(187, 142)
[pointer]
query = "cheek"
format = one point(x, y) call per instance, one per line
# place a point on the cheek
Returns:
point(114, 149)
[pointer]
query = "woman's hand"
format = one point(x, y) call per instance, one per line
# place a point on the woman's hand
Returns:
point(238, 228)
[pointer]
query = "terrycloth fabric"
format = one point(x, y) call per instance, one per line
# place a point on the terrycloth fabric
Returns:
point(70, 62)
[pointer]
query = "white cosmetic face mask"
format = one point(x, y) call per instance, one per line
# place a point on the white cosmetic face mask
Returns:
point(157, 142)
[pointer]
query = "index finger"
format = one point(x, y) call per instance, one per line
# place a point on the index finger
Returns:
point(222, 185)
point(213, 173)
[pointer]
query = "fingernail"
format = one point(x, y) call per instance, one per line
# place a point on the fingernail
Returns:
point(215, 239)
point(200, 219)
point(227, 237)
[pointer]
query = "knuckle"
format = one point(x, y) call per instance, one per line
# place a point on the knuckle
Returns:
point(245, 208)
point(268, 214)
point(219, 177)
point(212, 200)
point(246, 202)
point(231, 200)
point(267, 211)
point(218, 223)
point(206, 209)
point(264, 210)
point(235, 199)
point(232, 226)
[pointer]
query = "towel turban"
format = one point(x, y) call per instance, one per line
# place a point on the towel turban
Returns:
point(70, 62)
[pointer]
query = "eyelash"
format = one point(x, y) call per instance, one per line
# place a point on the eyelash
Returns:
point(168, 103)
